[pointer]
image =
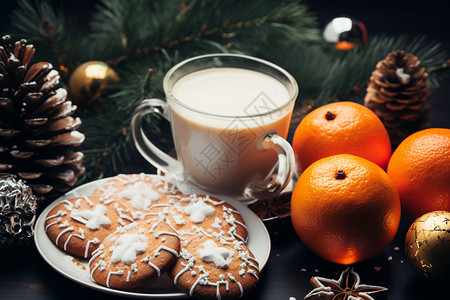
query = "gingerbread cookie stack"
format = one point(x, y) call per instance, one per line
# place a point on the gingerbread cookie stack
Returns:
point(136, 227)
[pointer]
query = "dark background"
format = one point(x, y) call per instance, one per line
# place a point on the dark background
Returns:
point(394, 17)
point(24, 274)
point(399, 17)
point(430, 18)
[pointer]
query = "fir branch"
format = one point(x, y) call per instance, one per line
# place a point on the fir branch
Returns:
point(137, 36)
point(202, 33)
point(106, 122)
point(326, 74)
point(39, 20)
point(116, 32)
point(440, 68)
point(53, 33)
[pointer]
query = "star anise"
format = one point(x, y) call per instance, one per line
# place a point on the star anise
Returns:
point(272, 208)
point(348, 287)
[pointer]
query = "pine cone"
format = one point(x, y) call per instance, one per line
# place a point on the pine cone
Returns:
point(398, 94)
point(37, 131)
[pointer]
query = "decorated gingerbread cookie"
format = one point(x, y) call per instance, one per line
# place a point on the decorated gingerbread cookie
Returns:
point(133, 254)
point(78, 225)
point(150, 197)
point(193, 215)
point(211, 269)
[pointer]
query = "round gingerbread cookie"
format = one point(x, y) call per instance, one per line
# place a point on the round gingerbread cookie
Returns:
point(192, 215)
point(133, 254)
point(210, 269)
point(78, 225)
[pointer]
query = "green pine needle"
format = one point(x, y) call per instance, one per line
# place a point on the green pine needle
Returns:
point(142, 40)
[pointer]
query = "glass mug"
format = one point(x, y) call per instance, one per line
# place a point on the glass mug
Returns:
point(229, 116)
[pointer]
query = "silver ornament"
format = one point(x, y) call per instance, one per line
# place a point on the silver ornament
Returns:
point(346, 33)
point(17, 212)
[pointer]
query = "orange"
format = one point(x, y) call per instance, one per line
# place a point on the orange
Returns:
point(345, 208)
point(420, 170)
point(341, 128)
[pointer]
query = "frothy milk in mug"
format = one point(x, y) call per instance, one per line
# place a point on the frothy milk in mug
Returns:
point(221, 146)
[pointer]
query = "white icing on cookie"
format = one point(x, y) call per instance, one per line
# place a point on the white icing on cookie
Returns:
point(128, 247)
point(58, 214)
point(92, 218)
point(77, 203)
point(108, 192)
point(88, 201)
point(251, 272)
point(217, 224)
point(64, 224)
point(187, 267)
point(140, 195)
point(218, 283)
point(233, 279)
point(69, 205)
point(68, 229)
point(179, 220)
point(159, 233)
point(200, 231)
point(158, 271)
point(199, 211)
point(121, 222)
point(245, 256)
point(134, 268)
point(202, 279)
point(120, 272)
point(220, 256)
point(170, 250)
point(93, 241)
point(58, 220)
point(120, 211)
point(80, 235)
point(101, 265)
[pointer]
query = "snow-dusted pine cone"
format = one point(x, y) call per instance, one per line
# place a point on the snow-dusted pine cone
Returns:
point(398, 92)
point(37, 131)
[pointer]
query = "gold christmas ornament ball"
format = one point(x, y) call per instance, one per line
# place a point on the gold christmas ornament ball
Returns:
point(89, 80)
point(427, 244)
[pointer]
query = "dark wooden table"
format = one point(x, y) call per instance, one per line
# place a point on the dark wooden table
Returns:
point(25, 275)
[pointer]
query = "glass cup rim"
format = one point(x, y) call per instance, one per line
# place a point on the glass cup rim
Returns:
point(293, 95)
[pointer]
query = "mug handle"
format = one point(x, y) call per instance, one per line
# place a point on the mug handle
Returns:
point(149, 151)
point(274, 183)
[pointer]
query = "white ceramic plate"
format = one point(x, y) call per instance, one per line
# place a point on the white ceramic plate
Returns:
point(77, 269)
